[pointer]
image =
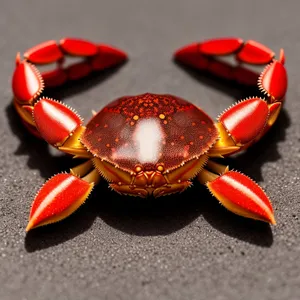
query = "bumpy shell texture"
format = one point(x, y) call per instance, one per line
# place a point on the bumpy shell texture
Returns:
point(149, 129)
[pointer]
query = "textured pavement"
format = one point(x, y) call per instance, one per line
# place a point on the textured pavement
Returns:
point(180, 247)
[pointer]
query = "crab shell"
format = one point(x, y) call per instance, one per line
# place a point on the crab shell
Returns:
point(148, 136)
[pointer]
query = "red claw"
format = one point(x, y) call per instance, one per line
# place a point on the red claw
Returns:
point(222, 46)
point(191, 56)
point(274, 80)
point(59, 197)
point(26, 83)
point(241, 195)
point(238, 120)
point(108, 57)
point(55, 121)
point(187, 51)
point(44, 53)
point(78, 47)
point(255, 53)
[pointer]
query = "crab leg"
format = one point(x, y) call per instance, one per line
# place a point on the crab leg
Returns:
point(204, 56)
point(237, 192)
point(60, 126)
point(247, 121)
point(243, 124)
point(28, 83)
point(62, 194)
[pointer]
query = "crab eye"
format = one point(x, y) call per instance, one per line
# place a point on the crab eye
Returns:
point(160, 168)
point(138, 169)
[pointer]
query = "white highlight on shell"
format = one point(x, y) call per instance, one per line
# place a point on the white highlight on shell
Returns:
point(241, 114)
point(148, 137)
point(146, 143)
point(58, 116)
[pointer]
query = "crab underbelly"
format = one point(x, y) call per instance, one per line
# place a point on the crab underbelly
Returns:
point(156, 182)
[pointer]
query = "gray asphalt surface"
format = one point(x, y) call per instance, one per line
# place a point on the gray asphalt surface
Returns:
point(181, 247)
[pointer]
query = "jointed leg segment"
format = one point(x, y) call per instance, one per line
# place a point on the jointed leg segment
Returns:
point(247, 121)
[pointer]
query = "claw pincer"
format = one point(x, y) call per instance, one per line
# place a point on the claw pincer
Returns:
point(241, 195)
point(59, 197)
point(27, 83)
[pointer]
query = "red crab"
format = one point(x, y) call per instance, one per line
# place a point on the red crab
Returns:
point(152, 144)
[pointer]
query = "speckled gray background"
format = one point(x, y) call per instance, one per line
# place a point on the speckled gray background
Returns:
point(181, 247)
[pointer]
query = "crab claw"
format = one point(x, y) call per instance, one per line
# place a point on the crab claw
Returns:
point(242, 196)
point(273, 80)
point(55, 121)
point(190, 55)
point(108, 57)
point(59, 197)
point(27, 83)
point(239, 122)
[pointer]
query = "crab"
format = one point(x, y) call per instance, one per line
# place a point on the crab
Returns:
point(152, 144)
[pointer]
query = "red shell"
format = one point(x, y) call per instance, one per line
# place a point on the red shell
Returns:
point(274, 80)
point(245, 120)
point(54, 120)
point(78, 47)
point(44, 53)
point(26, 82)
point(255, 53)
point(222, 46)
point(149, 129)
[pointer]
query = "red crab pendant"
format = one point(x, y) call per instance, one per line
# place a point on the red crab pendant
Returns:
point(151, 144)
